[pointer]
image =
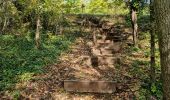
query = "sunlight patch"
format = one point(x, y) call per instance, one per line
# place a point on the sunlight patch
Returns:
point(26, 76)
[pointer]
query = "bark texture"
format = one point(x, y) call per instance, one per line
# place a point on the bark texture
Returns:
point(152, 41)
point(162, 10)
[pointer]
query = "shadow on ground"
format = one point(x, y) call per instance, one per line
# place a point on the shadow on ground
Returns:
point(106, 60)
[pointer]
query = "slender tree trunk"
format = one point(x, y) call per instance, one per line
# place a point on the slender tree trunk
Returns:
point(5, 16)
point(94, 37)
point(82, 8)
point(4, 25)
point(162, 10)
point(134, 25)
point(37, 34)
point(61, 29)
point(152, 41)
point(104, 35)
point(56, 29)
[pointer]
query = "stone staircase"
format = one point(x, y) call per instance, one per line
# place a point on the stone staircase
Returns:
point(104, 52)
point(101, 59)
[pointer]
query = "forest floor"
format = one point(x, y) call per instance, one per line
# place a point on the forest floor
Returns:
point(108, 60)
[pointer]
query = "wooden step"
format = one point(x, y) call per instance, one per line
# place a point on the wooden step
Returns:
point(90, 86)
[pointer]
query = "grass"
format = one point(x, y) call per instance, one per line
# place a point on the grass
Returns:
point(141, 66)
point(19, 60)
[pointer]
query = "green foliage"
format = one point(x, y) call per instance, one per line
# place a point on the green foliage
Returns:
point(19, 60)
point(19, 14)
point(143, 94)
point(138, 4)
point(153, 88)
point(135, 49)
point(116, 7)
point(98, 6)
point(141, 68)
point(149, 90)
point(156, 89)
point(15, 95)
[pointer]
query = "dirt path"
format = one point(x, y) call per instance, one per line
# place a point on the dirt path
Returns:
point(107, 60)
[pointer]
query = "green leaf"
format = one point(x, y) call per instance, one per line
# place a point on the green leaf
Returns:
point(153, 88)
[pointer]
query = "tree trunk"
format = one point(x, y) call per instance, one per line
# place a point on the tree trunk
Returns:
point(94, 37)
point(61, 29)
point(56, 29)
point(152, 41)
point(82, 8)
point(4, 25)
point(162, 11)
point(5, 16)
point(37, 34)
point(134, 25)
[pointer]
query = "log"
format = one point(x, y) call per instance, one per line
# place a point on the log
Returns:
point(90, 86)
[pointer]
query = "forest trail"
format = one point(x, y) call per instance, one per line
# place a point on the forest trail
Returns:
point(102, 49)
point(107, 60)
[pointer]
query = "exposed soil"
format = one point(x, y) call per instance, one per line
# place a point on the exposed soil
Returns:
point(107, 60)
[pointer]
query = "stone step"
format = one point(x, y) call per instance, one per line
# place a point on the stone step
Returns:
point(114, 47)
point(106, 51)
point(106, 60)
point(108, 34)
point(100, 52)
point(111, 38)
point(79, 48)
point(108, 55)
point(90, 86)
point(98, 60)
point(104, 44)
point(106, 41)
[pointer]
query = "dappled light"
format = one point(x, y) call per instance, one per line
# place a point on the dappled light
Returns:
point(81, 50)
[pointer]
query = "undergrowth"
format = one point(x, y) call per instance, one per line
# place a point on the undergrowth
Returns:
point(140, 67)
point(20, 60)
